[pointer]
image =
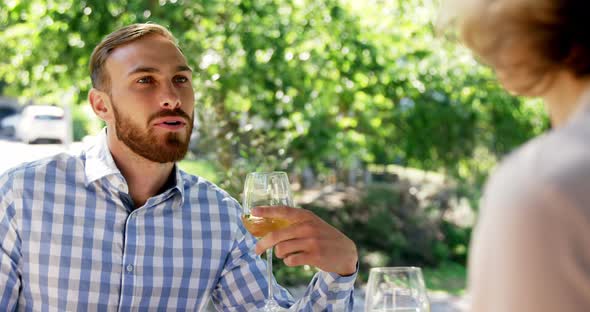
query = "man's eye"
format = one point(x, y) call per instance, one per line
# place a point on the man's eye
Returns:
point(145, 80)
point(180, 79)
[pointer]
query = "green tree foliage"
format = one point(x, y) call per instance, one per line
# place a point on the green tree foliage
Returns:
point(288, 84)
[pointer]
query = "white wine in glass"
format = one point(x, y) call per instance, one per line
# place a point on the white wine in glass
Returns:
point(396, 289)
point(266, 189)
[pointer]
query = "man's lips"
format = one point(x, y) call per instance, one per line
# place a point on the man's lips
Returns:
point(171, 123)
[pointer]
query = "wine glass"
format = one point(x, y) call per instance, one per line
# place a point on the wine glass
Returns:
point(396, 289)
point(266, 189)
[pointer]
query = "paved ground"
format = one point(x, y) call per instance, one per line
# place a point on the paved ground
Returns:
point(12, 153)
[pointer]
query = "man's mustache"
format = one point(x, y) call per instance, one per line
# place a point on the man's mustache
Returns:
point(177, 112)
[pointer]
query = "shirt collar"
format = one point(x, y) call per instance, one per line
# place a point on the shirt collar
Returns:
point(99, 161)
point(179, 181)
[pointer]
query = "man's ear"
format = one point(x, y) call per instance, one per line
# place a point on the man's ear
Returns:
point(101, 104)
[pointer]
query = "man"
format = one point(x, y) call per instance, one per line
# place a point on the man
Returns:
point(120, 227)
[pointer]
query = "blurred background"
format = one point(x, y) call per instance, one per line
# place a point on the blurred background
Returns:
point(387, 127)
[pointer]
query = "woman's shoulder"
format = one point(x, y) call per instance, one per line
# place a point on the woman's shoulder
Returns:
point(556, 163)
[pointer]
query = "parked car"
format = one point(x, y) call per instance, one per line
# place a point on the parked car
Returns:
point(42, 122)
point(6, 112)
point(8, 125)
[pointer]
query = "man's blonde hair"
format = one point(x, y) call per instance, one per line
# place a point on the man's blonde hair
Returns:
point(98, 74)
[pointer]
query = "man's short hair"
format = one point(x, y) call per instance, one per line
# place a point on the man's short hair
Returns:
point(99, 76)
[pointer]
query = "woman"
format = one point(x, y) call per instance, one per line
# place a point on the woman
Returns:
point(531, 247)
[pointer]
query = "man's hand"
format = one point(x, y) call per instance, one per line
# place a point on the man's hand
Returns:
point(308, 240)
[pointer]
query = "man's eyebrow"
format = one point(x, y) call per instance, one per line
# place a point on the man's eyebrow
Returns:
point(143, 69)
point(147, 69)
point(183, 68)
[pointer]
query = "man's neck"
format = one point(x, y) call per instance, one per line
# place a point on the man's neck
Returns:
point(145, 178)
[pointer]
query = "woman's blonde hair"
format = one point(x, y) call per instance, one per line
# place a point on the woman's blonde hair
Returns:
point(527, 38)
point(98, 75)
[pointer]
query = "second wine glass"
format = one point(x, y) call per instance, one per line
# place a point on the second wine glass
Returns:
point(396, 289)
point(266, 189)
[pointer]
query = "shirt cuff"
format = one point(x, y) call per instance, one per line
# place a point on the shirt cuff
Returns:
point(337, 283)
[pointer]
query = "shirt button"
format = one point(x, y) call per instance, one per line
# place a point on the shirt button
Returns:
point(129, 268)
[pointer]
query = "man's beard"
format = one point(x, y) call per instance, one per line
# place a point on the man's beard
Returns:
point(146, 143)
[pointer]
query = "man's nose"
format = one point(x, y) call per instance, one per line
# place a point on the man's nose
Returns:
point(170, 98)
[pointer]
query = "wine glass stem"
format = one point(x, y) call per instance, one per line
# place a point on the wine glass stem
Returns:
point(269, 273)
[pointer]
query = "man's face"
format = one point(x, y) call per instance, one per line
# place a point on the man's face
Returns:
point(152, 98)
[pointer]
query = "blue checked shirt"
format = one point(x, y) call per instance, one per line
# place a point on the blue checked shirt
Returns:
point(71, 240)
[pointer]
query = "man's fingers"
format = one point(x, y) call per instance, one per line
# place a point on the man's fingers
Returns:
point(297, 259)
point(295, 231)
point(286, 248)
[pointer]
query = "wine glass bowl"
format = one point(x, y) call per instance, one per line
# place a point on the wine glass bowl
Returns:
point(265, 189)
point(396, 289)
point(259, 227)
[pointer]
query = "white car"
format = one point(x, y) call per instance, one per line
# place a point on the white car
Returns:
point(42, 122)
point(8, 124)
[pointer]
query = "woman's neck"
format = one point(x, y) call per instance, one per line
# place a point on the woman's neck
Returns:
point(566, 97)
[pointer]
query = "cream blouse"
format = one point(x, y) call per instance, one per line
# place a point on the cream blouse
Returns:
point(530, 251)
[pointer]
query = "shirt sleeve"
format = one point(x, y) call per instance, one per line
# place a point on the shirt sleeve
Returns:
point(243, 284)
point(529, 252)
point(10, 255)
